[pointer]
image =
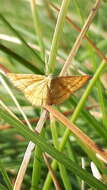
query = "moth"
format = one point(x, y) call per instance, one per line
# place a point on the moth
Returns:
point(41, 90)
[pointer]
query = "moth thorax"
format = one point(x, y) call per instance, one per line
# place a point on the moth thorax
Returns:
point(49, 79)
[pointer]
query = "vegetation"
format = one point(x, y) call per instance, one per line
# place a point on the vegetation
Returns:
point(60, 147)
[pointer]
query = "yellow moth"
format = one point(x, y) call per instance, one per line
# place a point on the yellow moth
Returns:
point(43, 90)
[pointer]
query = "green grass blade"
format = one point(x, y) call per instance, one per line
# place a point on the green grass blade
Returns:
point(57, 36)
point(91, 120)
point(36, 168)
point(87, 91)
point(37, 25)
point(38, 58)
point(65, 177)
point(63, 172)
point(20, 59)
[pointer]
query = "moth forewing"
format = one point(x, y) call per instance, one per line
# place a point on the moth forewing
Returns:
point(22, 81)
point(35, 87)
point(63, 87)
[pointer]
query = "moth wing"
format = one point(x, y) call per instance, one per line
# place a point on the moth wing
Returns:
point(37, 94)
point(33, 86)
point(21, 81)
point(63, 87)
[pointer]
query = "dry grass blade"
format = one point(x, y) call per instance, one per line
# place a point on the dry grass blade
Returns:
point(23, 167)
point(54, 178)
point(77, 132)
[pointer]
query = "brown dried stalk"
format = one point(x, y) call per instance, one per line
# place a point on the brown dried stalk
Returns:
point(55, 181)
point(77, 132)
point(35, 120)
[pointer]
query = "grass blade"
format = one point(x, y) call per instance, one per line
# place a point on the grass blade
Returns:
point(19, 58)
